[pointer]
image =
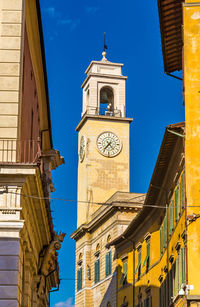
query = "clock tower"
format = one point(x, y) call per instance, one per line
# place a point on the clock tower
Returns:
point(105, 205)
point(103, 166)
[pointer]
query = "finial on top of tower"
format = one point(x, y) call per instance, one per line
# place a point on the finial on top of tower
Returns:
point(104, 48)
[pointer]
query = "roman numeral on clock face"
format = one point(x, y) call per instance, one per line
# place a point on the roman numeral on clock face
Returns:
point(108, 144)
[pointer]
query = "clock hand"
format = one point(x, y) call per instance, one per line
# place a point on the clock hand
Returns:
point(107, 145)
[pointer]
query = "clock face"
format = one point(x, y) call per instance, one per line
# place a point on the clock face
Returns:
point(82, 148)
point(108, 144)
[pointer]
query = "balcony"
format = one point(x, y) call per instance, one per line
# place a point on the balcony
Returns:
point(103, 110)
point(14, 151)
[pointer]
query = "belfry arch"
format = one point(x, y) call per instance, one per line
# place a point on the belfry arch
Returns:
point(106, 103)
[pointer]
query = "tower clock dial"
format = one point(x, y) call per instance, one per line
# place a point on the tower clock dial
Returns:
point(108, 144)
point(82, 148)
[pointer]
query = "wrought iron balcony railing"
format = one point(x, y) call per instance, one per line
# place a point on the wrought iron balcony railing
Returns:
point(19, 151)
point(103, 111)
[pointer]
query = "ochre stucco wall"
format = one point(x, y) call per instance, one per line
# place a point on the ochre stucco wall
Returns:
point(191, 16)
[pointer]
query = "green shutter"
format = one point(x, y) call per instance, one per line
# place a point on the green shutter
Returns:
point(176, 203)
point(183, 190)
point(179, 200)
point(180, 269)
point(177, 275)
point(169, 215)
point(107, 264)
point(80, 278)
point(161, 241)
point(173, 280)
point(183, 265)
point(98, 264)
point(110, 262)
point(125, 267)
point(96, 273)
point(165, 231)
point(172, 215)
point(148, 254)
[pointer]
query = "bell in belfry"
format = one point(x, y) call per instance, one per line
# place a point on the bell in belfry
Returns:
point(106, 95)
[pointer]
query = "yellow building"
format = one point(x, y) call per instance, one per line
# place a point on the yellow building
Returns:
point(158, 254)
point(28, 244)
point(151, 252)
point(105, 205)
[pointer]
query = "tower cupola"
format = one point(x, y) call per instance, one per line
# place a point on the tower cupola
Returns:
point(104, 89)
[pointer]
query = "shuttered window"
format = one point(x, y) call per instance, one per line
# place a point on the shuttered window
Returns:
point(138, 269)
point(123, 280)
point(97, 271)
point(171, 217)
point(178, 199)
point(183, 190)
point(176, 205)
point(177, 275)
point(147, 259)
point(79, 279)
point(108, 263)
point(161, 240)
point(183, 264)
point(165, 231)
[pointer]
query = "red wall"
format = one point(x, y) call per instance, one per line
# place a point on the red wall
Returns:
point(30, 121)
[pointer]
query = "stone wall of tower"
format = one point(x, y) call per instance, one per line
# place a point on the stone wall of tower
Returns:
point(100, 177)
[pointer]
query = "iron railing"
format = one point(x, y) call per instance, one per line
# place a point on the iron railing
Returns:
point(19, 151)
point(103, 111)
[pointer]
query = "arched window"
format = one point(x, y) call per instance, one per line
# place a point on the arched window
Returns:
point(106, 101)
point(108, 304)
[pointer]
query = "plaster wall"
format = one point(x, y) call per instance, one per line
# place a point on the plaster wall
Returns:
point(191, 18)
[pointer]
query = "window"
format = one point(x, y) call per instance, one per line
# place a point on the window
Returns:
point(79, 279)
point(138, 269)
point(147, 259)
point(176, 205)
point(183, 190)
point(97, 264)
point(171, 217)
point(161, 240)
point(123, 280)
point(108, 263)
point(97, 271)
point(165, 231)
point(180, 270)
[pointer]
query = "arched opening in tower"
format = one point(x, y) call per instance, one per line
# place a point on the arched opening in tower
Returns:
point(106, 106)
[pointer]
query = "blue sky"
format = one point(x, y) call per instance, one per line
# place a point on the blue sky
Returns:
point(73, 35)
